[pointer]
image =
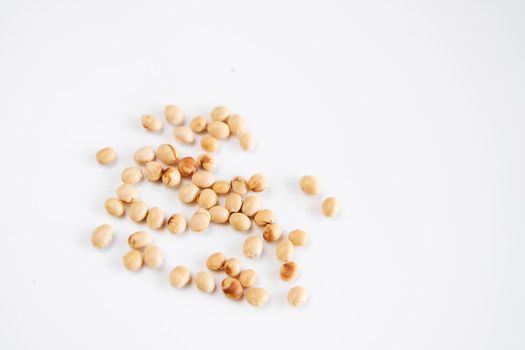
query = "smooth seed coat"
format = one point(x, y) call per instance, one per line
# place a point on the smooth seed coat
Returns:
point(221, 187)
point(247, 142)
point(188, 193)
point(137, 211)
point(203, 179)
point(207, 198)
point(264, 217)
point(219, 214)
point(127, 193)
point(233, 202)
point(257, 183)
point(250, 206)
point(232, 267)
point(139, 240)
point(236, 124)
point(180, 277)
point(252, 247)
point(102, 236)
point(232, 288)
point(257, 296)
point(131, 175)
point(247, 278)
point(330, 207)
point(153, 256)
point(183, 134)
point(173, 115)
point(297, 296)
point(310, 185)
point(153, 171)
point(200, 220)
point(167, 154)
point(288, 271)
point(220, 113)
point(155, 218)
point(215, 262)
point(106, 156)
point(298, 237)
point(205, 281)
point(218, 129)
point(144, 155)
point(114, 206)
point(284, 251)
point(272, 232)
point(151, 123)
point(198, 124)
point(240, 222)
point(176, 224)
point(209, 143)
point(133, 260)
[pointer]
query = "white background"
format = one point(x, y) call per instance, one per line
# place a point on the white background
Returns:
point(411, 113)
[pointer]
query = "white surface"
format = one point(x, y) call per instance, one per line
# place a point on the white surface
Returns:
point(411, 113)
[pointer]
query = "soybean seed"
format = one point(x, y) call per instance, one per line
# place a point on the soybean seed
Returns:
point(221, 187)
point(252, 247)
point(153, 256)
point(144, 154)
point(215, 262)
point(180, 277)
point(102, 236)
point(114, 206)
point(133, 260)
point(139, 240)
point(137, 211)
point(183, 134)
point(220, 113)
point(272, 232)
point(126, 193)
point(330, 207)
point(232, 288)
point(131, 175)
point(205, 281)
point(232, 267)
point(247, 142)
point(219, 215)
point(188, 166)
point(203, 179)
point(310, 185)
point(239, 185)
point(233, 202)
point(200, 220)
point(198, 124)
point(297, 296)
point(257, 296)
point(176, 224)
point(207, 198)
point(106, 156)
point(284, 250)
point(155, 218)
point(151, 123)
point(240, 222)
point(298, 237)
point(288, 271)
point(153, 171)
point(264, 217)
point(188, 193)
point(250, 206)
point(171, 177)
point(209, 143)
point(206, 161)
point(218, 129)
point(247, 278)
point(173, 115)
point(167, 154)
point(236, 124)
point(257, 183)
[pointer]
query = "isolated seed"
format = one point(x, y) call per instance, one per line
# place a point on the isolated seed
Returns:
point(151, 123)
point(257, 296)
point(131, 175)
point(200, 220)
point(114, 206)
point(233, 202)
point(207, 198)
point(183, 134)
point(144, 155)
point(188, 166)
point(239, 185)
point(252, 247)
point(139, 240)
point(206, 161)
point(288, 271)
point(236, 124)
point(106, 156)
point(215, 262)
point(330, 207)
point(298, 237)
point(137, 211)
point(176, 224)
point(219, 215)
point(220, 113)
point(232, 267)
point(171, 177)
point(257, 183)
point(310, 185)
point(221, 187)
point(153, 171)
point(250, 206)
point(173, 115)
point(219, 130)
point(198, 124)
point(297, 296)
point(272, 232)
point(240, 222)
point(102, 236)
point(153, 256)
point(167, 154)
point(264, 217)
point(284, 250)
point(247, 278)
point(232, 288)
point(126, 193)
point(133, 260)
point(180, 276)
point(155, 218)
point(204, 281)
point(188, 193)
point(203, 179)
point(209, 143)
point(247, 142)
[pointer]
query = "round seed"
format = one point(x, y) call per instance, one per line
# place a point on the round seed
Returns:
point(239, 185)
point(188, 193)
point(188, 166)
point(209, 143)
point(153, 256)
point(155, 218)
point(297, 296)
point(106, 156)
point(171, 177)
point(250, 206)
point(206, 161)
point(173, 115)
point(330, 207)
point(257, 296)
point(240, 222)
point(264, 217)
point(247, 278)
point(203, 179)
point(198, 124)
point(220, 113)
point(102, 236)
point(167, 154)
point(138, 211)
point(114, 206)
point(232, 288)
point(153, 171)
point(139, 240)
point(151, 123)
point(180, 276)
point(144, 155)
point(272, 232)
point(207, 198)
point(236, 124)
point(298, 237)
point(183, 134)
point(126, 193)
point(288, 271)
point(252, 247)
point(133, 260)
point(257, 183)
point(221, 187)
point(218, 129)
point(284, 250)
point(215, 262)
point(232, 267)
point(131, 175)
point(247, 142)
point(219, 215)
point(310, 185)
point(233, 202)
point(204, 281)
point(200, 220)
point(176, 224)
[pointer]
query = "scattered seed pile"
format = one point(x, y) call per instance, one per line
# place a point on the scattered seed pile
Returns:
point(239, 209)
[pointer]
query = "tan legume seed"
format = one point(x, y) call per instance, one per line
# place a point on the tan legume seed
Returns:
point(167, 154)
point(139, 240)
point(183, 134)
point(198, 124)
point(221, 187)
point(209, 143)
point(106, 156)
point(239, 185)
point(137, 211)
point(144, 154)
point(153, 171)
point(288, 271)
point(252, 247)
point(215, 262)
point(206, 161)
point(220, 113)
point(176, 224)
point(151, 123)
point(155, 218)
point(264, 217)
point(298, 237)
point(219, 215)
point(114, 206)
point(247, 278)
point(126, 193)
point(171, 177)
point(188, 193)
point(232, 288)
point(284, 251)
point(247, 142)
point(207, 198)
point(203, 179)
point(180, 277)
point(236, 124)
point(240, 222)
point(250, 206)
point(310, 185)
point(102, 236)
point(131, 175)
point(257, 183)
point(272, 232)
point(133, 260)
point(205, 281)
point(257, 296)
point(200, 220)
point(153, 256)
point(233, 202)
point(173, 115)
point(188, 166)
point(219, 130)
point(330, 207)
point(297, 296)
point(232, 267)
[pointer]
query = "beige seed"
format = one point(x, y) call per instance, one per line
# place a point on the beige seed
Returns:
point(288, 271)
point(233, 202)
point(247, 142)
point(272, 232)
point(220, 113)
point(176, 224)
point(106, 156)
point(232, 267)
point(257, 296)
point(330, 207)
point(153, 256)
point(133, 260)
point(171, 177)
point(173, 115)
point(137, 211)
point(257, 183)
point(200, 220)
point(183, 134)
point(188, 166)
point(203, 179)
point(232, 288)
point(310, 185)
point(188, 193)
point(221, 187)
point(247, 278)
point(139, 240)
point(151, 123)
point(144, 155)
point(155, 218)
point(126, 193)
point(209, 143)
point(239, 185)
point(215, 262)
point(219, 130)
point(102, 236)
point(252, 247)
point(153, 171)
point(205, 281)
point(297, 296)
point(264, 217)
point(250, 206)
point(207, 198)
point(284, 250)
point(114, 206)
point(240, 222)
point(219, 215)
point(167, 154)
point(206, 161)
point(236, 124)
point(298, 237)
point(198, 124)
point(180, 277)
point(131, 175)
